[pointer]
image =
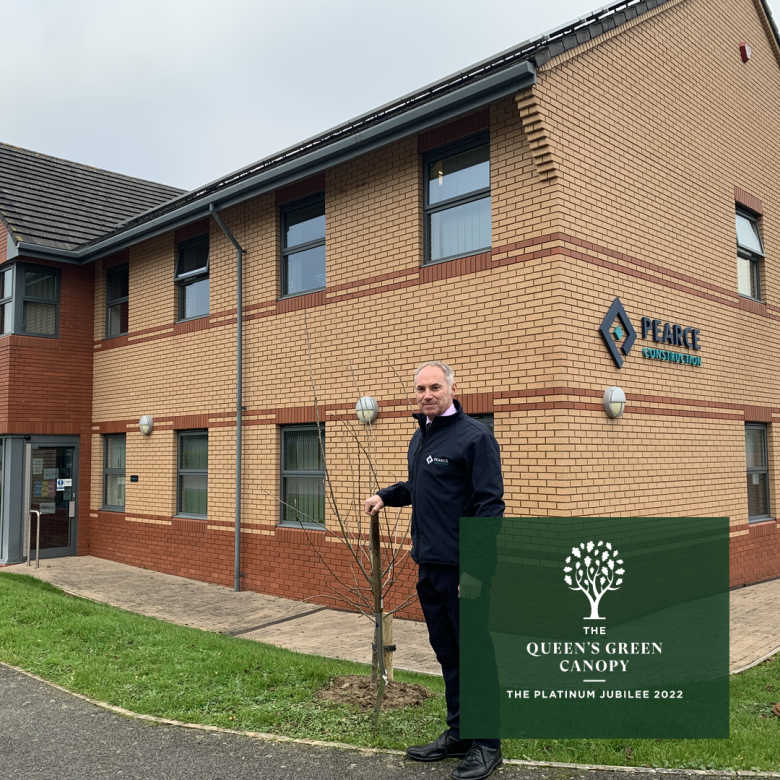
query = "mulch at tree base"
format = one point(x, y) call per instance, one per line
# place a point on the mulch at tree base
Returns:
point(357, 690)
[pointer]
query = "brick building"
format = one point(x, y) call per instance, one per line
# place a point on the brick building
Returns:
point(491, 220)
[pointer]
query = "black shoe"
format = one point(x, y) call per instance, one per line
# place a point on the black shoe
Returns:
point(479, 763)
point(441, 747)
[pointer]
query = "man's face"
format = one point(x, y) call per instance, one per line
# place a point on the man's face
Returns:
point(433, 395)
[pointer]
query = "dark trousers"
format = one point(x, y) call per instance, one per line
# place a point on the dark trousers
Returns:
point(437, 587)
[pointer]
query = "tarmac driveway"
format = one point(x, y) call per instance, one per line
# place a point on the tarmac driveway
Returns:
point(47, 734)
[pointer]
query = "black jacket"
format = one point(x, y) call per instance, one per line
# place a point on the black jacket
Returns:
point(454, 472)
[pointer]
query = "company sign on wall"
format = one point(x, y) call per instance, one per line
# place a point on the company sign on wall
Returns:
point(596, 628)
point(619, 335)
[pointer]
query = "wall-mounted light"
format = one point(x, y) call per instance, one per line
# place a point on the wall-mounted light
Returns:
point(614, 402)
point(367, 409)
point(146, 423)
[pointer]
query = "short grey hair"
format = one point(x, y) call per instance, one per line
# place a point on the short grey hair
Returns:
point(449, 374)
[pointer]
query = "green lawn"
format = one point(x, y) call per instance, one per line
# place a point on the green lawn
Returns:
point(156, 668)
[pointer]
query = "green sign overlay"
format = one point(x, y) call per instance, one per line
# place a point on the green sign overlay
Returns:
point(595, 628)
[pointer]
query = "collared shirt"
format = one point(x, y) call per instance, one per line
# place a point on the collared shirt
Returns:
point(449, 411)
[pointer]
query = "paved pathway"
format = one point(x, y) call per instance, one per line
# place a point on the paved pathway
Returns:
point(303, 627)
point(309, 628)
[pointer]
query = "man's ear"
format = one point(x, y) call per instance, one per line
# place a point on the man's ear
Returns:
point(454, 388)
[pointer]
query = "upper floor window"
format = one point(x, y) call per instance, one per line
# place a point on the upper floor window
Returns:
point(303, 246)
point(750, 251)
point(192, 276)
point(117, 300)
point(457, 200)
point(29, 300)
point(7, 301)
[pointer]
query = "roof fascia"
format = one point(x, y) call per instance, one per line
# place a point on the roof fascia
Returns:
point(770, 20)
point(506, 82)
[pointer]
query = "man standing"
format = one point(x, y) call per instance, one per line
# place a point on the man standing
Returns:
point(454, 471)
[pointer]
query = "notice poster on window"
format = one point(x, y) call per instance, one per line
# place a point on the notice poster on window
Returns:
point(51, 473)
point(47, 508)
point(595, 628)
point(37, 466)
point(37, 486)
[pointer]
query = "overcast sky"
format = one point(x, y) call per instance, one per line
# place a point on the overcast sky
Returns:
point(185, 91)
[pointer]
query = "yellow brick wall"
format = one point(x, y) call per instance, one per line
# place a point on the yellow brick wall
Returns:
point(650, 130)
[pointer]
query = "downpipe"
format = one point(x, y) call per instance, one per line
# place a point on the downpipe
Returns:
point(239, 384)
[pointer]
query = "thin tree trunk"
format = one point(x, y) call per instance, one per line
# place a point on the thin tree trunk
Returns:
point(376, 588)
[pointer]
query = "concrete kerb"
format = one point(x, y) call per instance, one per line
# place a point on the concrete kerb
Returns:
point(757, 662)
point(369, 750)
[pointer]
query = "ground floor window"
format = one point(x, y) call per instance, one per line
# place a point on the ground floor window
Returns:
point(757, 472)
point(114, 472)
point(303, 475)
point(486, 420)
point(193, 474)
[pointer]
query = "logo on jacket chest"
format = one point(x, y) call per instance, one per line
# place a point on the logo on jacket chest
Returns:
point(437, 461)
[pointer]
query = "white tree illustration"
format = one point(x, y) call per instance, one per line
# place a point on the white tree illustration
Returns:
point(594, 572)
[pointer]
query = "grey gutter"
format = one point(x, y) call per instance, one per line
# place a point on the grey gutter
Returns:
point(772, 22)
point(506, 82)
point(239, 387)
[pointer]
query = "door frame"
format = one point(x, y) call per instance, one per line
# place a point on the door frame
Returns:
point(31, 444)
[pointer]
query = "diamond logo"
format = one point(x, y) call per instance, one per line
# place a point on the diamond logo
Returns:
point(623, 328)
point(429, 460)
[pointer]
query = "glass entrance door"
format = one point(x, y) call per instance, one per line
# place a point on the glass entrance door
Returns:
point(53, 494)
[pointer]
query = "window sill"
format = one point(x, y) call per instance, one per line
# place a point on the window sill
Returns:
point(181, 516)
point(753, 305)
point(300, 293)
point(194, 319)
point(471, 253)
point(119, 509)
point(116, 336)
point(192, 325)
point(762, 519)
point(303, 526)
point(31, 335)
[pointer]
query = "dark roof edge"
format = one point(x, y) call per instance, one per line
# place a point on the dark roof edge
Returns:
point(458, 93)
point(471, 96)
point(771, 20)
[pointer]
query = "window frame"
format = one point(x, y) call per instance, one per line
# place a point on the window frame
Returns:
point(110, 471)
point(19, 310)
point(762, 470)
point(481, 417)
point(8, 300)
point(443, 152)
point(17, 298)
point(122, 267)
point(194, 472)
point(285, 252)
point(283, 474)
point(755, 258)
point(191, 277)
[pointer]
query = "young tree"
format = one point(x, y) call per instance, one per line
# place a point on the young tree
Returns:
point(375, 545)
point(594, 574)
